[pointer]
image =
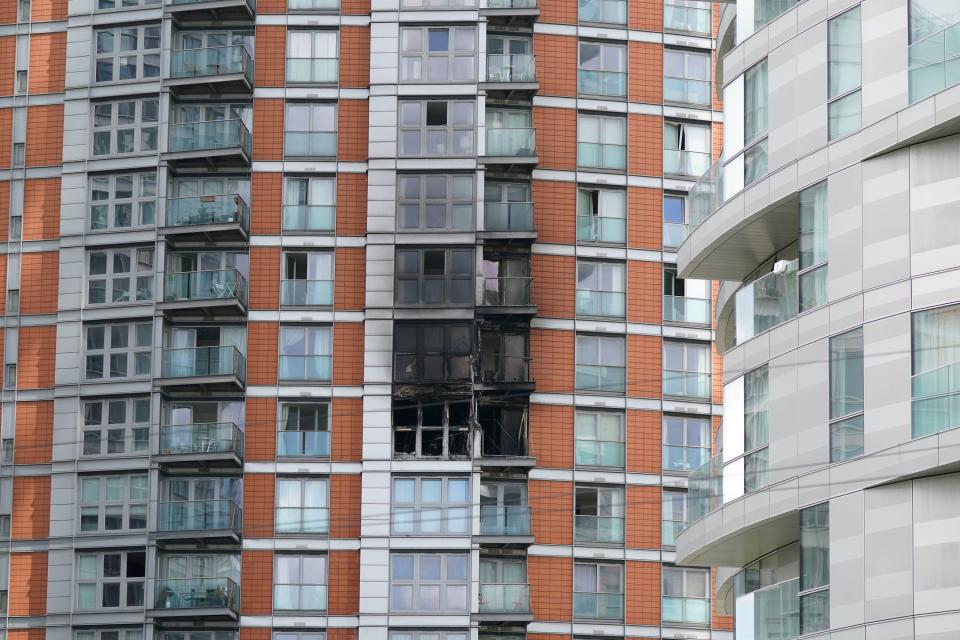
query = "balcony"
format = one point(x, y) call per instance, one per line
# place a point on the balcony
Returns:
point(686, 384)
point(682, 310)
point(208, 12)
point(207, 218)
point(598, 606)
point(606, 304)
point(209, 143)
point(303, 444)
point(211, 70)
point(510, 146)
point(705, 196)
point(599, 453)
point(201, 443)
point(507, 295)
point(511, 75)
point(766, 302)
point(771, 613)
point(679, 17)
point(196, 598)
point(496, 370)
point(683, 90)
point(600, 229)
point(210, 292)
point(199, 519)
point(505, 602)
point(933, 62)
point(313, 70)
point(936, 400)
point(603, 84)
point(313, 368)
point(705, 489)
point(510, 13)
point(505, 524)
point(309, 218)
point(599, 378)
point(691, 164)
point(306, 293)
point(204, 368)
point(598, 529)
point(508, 220)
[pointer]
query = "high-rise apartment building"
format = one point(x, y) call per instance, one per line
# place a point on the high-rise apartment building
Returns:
point(830, 506)
point(329, 319)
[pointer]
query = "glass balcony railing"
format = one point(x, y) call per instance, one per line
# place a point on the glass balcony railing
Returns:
point(209, 135)
point(685, 163)
point(766, 302)
point(683, 459)
point(669, 532)
point(197, 593)
point(504, 520)
point(686, 91)
point(705, 196)
point(200, 438)
point(313, 5)
point(306, 144)
point(503, 368)
point(312, 70)
point(686, 610)
point(591, 377)
point(678, 17)
point(598, 529)
point(771, 613)
point(511, 67)
point(504, 598)
point(606, 11)
point(596, 155)
point(201, 362)
point(307, 368)
point(687, 384)
point(765, 11)
point(510, 142)
point(511, 4)
point(303, 444)
point(687, 310)
point(309, 217)
point(198, 515)
point(936, 400)
point(599, 453)
point(199, 210)
point(211, 61)
point(302, 293)
point(611, 84)
point(598, 606)
point(506, 291)
point(705, 489)
point(934, 63)
point(601, 303)
point(508, 216)
point(226, 284)
point(674, 233)
point(601, 229)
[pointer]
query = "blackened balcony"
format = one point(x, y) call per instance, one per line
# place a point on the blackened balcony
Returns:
point(211, 70)
point(507, 295)
point(220, 368)
point(207, 218)
point(201, 443)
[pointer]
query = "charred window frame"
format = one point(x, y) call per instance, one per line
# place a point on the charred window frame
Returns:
point(504, 428)
point(432, 353)
point(432, 428)
point(504, 355)
point(434, 276)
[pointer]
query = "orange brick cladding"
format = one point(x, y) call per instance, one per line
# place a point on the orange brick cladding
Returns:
point(268, 122)
point(646, 72)
point(350, 278)
point(554, 287)
point(31, 508)
point(41, 209)
point(258, 504)
point(34, 432)
point(345, 506)
point(354, 56)
point(551, 511)
point(36, 357)
point(271, 62)
point(264, 277)
point(553, 358)
point(42, 271)
point(642, 599)
point(6, 136)
point(348, 353)
point(555, 72)
point(8, 51)
point(645, 149)
point(644, 441)
point(551, 586)
point(643, 365)
point(260, 434)
point(644, 218)
point(47, 10)
point(266, 196)
point(646, 15)
point(643, 525)
point(256, 574)
point(44, 135)
point(262, 352)
point(558, 12)
point(555, 211)
point(351, 204)
point(48, 62)
point(551, 435)
point(344, 587)
point(29, 572)
point(556, 137)
point(352, 128)
point(347, 429)
point(644, 291)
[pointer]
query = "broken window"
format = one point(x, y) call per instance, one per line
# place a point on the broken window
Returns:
point(434, 276)
point(432, 352)
point(504, 429)
point(506, 279)
point(504, 356)
point(431, 428)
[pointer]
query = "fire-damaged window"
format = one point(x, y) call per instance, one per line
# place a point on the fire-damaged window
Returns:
point(432, 352)
point(504, 356)
point(506, 279)
point(431, 428)
point(504, 428)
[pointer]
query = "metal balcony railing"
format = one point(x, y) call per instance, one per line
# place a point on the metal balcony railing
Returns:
point(601, 229)
point(686, 310)
point(705, 489)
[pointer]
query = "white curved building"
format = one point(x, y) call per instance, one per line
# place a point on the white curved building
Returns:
point(832, 504)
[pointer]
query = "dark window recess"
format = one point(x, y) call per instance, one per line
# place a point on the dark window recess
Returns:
point(436, 114)
point(432, 353)
point(504, 357)
point(506, 279)
point(431, 428)
point(504, 429)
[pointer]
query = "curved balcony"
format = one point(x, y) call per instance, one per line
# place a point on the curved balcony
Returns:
point(207, 12)
point(507, 295)
point(209, 142)
point(770, 613)
point(196, 597)
point(207, 292)
point(510, 146)
point(211, 70)
point(204, 368)
point(201, 444)
point(201, 520)
point(207, 218)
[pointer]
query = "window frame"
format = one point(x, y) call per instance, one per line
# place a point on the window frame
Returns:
point(142, 201)
point(686, 78)
point(614, 503)
point(602, 270)
point(114, 55)
point(452, 131)
point(128, 428)
point(102, 506)
point(140, 275)
point(603, 121)
point(424, 204)
point(283, 420)
point(454, 283)
point(134, 352)
point(316, 46)
point(755, 148)
point(289, 195)
point(315, 137)
point(601, 339)
point(672, 495)
point(846, 421)
point(450, 353)
point(685, 573)
point(687, 422)
point(325, 361)
point(603, 18)
point(297, 587)
point(594, 415)
point(302, 482)
point(416, 513)
point(843, 95)
point(819, 591)
point(596, 565)
point(447, 430)
point(101, 580)
point(144, 132)
point(322, 263)
point(108, 633)
point(704, 356)
point(417, 583)
point(620, 88)
point(423, 56)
